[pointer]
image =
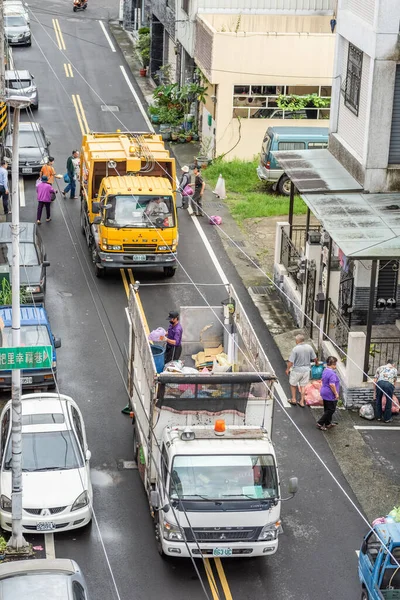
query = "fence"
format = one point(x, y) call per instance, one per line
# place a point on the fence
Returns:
point(299, 235)
point(337, 328)
point(291, 259)
point(381, 350)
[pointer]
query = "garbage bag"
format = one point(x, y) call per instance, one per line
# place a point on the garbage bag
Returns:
point(395, 404)
point(367, 412)
point(215, 220)
point(316, 371)
point(395, 514)
point(157, 335)
point(174, 366)
point(220, 191)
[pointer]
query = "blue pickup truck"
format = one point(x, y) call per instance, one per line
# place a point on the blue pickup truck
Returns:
point(379, 563)
point(35, 331)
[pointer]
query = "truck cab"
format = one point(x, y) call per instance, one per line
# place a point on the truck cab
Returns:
point(35, 331)
point(378, 563)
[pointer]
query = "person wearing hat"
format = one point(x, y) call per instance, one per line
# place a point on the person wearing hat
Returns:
point(45, 195)
point(184, 181)
point(174, 337)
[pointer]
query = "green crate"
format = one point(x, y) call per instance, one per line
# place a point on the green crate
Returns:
point(390, 594)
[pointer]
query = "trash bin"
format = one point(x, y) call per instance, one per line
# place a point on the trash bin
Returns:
point(159, 357)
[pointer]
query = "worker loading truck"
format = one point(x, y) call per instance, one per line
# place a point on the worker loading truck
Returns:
point(203, 439)
point(128, 202)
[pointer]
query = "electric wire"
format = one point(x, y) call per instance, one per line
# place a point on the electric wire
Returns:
point(240, 249)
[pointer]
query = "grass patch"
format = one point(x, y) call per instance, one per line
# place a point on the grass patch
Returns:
point(247, 196)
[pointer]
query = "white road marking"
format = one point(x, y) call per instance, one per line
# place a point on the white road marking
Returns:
point(211, 252)
point(282, 395)
point(21, 192)
point(140, 105)
point(107, 36)
point(49, 545)
point(380, 427)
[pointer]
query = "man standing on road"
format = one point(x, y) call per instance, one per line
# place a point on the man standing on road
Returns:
point(298, 368)
point(384, 380)
point(197, 198)
point(4, 186)
point(174, 337)
point(71, 174)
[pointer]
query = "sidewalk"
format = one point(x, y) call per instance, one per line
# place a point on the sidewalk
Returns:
point(374, 482)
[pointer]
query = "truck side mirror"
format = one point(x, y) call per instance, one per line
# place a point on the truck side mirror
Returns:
point(96, 208)
point(57, 343)
point(97, 220)
point(154, 499)
point(107, 206)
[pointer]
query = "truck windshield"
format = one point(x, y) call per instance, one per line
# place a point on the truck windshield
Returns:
point(224, 477)
point(31, 335)
point(140, 211)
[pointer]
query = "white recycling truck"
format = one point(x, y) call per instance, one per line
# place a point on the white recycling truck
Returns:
point(203, 440)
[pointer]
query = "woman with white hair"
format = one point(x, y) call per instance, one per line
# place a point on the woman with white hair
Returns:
point(184, 181)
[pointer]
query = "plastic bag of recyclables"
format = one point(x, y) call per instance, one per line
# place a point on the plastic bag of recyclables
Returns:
point(395, 404)
point(367, 412)
point(157, 335)
point(312, 393)
point(392, 517)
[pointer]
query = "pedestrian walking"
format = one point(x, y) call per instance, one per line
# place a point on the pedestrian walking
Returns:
point(197, 198)
point(45, 195)
point(298, 368)
point(49, 171)
point(183, 183)
point(329, 393)
point(384, 380)
point(4, 192)
point(174, 337)
point(71, 172)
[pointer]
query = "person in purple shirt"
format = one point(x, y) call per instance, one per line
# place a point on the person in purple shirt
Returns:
point(45, 195)
point(174, 337)
point(329, 393)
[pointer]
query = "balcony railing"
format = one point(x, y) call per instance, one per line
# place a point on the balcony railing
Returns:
point(382, 350)
point(291, 259)
point(299, 235)
point(337, 329)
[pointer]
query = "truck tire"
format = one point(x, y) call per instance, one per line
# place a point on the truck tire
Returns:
point(364, 595)
point(98, 271)
point(83, 223)
point(157, 528)
point(169, 271)
point(284, 185)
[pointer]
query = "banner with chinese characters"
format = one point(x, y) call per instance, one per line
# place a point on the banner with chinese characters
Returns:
point(27, 357)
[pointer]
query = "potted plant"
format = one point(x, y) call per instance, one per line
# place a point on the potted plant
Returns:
point(154, 113)
point(203, 160)
point(181, 138)
point(143, 47)
point(195, 136)
point(188, 136)
point(174, 134)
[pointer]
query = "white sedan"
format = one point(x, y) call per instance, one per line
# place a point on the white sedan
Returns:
point(57, 492)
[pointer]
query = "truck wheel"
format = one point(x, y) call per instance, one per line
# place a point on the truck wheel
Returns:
point(98, 271)
point(284, 185)
point(158, 533)
point(169, 271)
point(83, 223)
point(364, 595)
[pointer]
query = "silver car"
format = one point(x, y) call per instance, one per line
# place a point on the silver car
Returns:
point(17, 7)
point(18, 32)
point(42, 579)
point(22, 83)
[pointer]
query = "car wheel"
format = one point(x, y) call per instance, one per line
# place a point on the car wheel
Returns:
point(169, 271)
point(29, 43)
point(284, 185)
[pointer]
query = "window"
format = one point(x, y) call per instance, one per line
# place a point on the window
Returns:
point(291, 146)
point(353, 79)
point(78, 426)
point(263, 102)
point(372, 547)
point(387, 279)
point(164, 464)
point(317, 145)
point(4, 431)
point(185, 6)
point(47, 451)
point(79, 592)
point(140, 211)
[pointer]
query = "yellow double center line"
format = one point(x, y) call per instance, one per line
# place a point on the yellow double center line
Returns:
point(59, 35)
point(68, 70)
point(80, 113)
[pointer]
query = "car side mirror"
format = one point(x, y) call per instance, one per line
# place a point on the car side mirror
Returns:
point(96, 208)
point(97, 220)
point(57, 343)
point(46, 263)
point(88, 455)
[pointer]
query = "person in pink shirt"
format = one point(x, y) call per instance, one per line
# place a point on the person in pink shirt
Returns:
point(45, 195)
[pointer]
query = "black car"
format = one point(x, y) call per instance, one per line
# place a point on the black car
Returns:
point(32, 259)
point(33, 148)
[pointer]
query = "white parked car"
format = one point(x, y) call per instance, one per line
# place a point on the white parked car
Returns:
point(57, 491)
point(17, 7)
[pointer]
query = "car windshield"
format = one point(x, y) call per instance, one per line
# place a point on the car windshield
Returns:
point(140, 211)
point(30, 139)
point(31, 335)
point(14, 84)
point(224, 477)
point(14, 21)
point(47, 451)
point(27, 254)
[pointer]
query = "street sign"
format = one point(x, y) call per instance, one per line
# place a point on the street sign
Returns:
point(27, 357)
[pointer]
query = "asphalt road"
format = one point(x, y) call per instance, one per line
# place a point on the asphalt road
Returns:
point(322, 531)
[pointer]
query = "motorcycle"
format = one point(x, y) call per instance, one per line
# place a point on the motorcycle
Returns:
point(80, 5)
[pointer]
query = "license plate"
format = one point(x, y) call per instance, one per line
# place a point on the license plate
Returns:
point(139, 257)
point(26, 380)
point(222, 552)
point(45, 526)
point(27, 169)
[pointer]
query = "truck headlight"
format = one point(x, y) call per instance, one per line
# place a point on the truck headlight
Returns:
point(81, 501)
point(32, 288)
point(173, 532)
point(5, 503)
point(113, 247)
point(270, 532)
point(162, 248)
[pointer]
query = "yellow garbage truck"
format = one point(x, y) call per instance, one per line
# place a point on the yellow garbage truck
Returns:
point(128, 202)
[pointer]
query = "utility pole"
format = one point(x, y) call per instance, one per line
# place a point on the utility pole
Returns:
point(17, 541)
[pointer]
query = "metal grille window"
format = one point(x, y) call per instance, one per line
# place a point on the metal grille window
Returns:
point(387, 279)
point(353, 79)
point(185, 6)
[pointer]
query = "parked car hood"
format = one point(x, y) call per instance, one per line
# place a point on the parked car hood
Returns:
point(48, 489)
point(16, 30)
point(32, 154)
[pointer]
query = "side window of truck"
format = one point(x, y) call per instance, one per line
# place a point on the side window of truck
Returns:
point(373, 545)
point(291, 146)
point(164, 464)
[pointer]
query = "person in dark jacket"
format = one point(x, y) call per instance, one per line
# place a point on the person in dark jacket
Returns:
point(71, 174)
point(174, 338)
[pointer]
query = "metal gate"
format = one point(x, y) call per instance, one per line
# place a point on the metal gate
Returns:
point(310, 297)
point(346, 291)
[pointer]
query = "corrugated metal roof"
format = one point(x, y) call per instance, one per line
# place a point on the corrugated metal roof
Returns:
point(138, 185)
point(30, 315)
point(316, 171)
point(365, 226)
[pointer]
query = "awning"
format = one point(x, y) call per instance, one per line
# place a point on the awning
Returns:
point(316, 171)
point(365, 226)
